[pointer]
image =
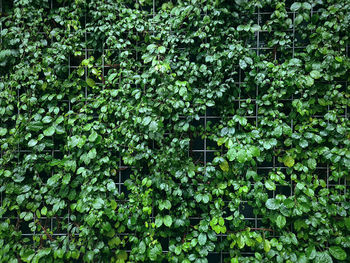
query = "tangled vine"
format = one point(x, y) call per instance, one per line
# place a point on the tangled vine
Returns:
point(174, 131)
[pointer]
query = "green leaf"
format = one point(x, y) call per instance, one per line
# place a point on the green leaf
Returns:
point(142, 247)
point(224, 166)
point(241, 156)
point(311, 252)
point(267, 245)
point(337, 252)
point(205, 199)
point(66, 179)
point(111, 186)
point(151, 48)
point(281, 221)
point(153, 126)
point(44, 211)
point(323, 257)
point(168, 220)
point(202, 239)
point(114, 204)
point(298, 19)
point(154, 252)
point(303, 143)
point(32, 143)
point(272, 204)
point(242, 64)
point(122, 255)
point(81, 72)
point(59, 120)
point(91, 219)
point(306, 6)
point(183, 91)
point(90, 82)
point(270, 185)
point(43, 252)
point(93, 136)
point(255, 28)
point(58, 253)
point(28, 216)
point(178, 250)
point(89, 256)
point(339, 59)
point(49, 131)
point(311, 163)
point(159, 221)
point(161, 49)
point(288, 161)
point(315, 74)
point(3, 131)
point(309, 81)
point(47, 119)
point(92, 153)
point(255, 151)
point(231, 154)
point(295, 6)
point(347, 222)
point(112, 77)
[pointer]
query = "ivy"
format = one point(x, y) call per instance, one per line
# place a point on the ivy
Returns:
point(107, 106)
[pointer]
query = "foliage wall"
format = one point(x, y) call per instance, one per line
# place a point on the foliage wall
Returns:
point(180, 131)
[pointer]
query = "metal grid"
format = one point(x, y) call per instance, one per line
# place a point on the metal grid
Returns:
point(203, 149)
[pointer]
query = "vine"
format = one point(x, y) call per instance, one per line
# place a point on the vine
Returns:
point(106, 107)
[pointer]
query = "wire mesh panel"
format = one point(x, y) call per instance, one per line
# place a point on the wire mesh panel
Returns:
point(174, 131)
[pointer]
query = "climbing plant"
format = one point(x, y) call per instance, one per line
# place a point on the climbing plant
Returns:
point(104, 105)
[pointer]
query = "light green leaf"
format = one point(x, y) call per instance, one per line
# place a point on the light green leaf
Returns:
point(288, 161)
point(32, 143)
point(49, 131)
point(337, 252)
point(47, 119)
point(112, 77)
point(90, 82)
point(142, 247)
point(81, 72)
point(323, 257)
point(295, 6)
point(270, 185)
point(309, 81)
point(159, 221)
point(168, 220)
point(339, 59)
point(310, 252)
point(161, 49)
point(315, 74)
point(146, 120)
point(267, 245)
point(66, 179)
point(281, 221)
point(303, 143)
point(241, 156)
point(153, 126)
point(44, 211)
point(224, 166)
point(255, 151)
point(202, 239)
point(3, 131)
point(154, 252)
point(311, 163)
point(183, 91)
point(92, 153)
point(272, 204)
point(151, 48)
point(93, 136)
point(306, 6)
